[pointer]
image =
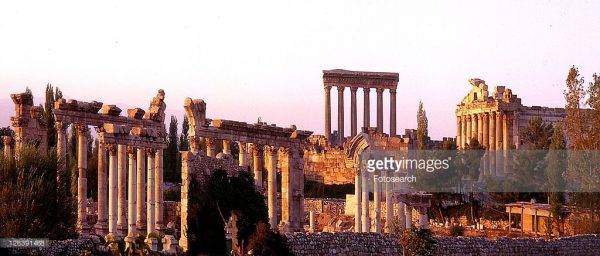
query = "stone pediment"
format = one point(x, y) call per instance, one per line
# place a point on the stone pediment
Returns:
point(478, 93)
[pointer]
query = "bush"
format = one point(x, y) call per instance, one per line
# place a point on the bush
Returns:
point(266, 242)
point(417, 241)
point(31, 204)
point(456, 230)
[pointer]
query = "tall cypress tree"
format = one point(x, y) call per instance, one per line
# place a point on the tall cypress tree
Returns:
point(171, 154)
point(49, 116)
point(422, 127)
point(183, 139)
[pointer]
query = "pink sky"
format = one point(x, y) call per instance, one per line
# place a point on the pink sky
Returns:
point(253, 58)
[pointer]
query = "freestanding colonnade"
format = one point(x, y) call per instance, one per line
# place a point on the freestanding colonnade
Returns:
point(380, 81)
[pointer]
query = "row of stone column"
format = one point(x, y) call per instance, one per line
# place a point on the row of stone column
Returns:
point(491, 129)
point(258, 153)
point(119, 213)
point(353, 111)
point(362, 219)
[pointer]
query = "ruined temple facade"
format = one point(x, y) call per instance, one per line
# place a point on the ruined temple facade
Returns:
point(496, 118)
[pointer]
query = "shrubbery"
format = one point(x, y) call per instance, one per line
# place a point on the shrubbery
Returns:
point(417, 241)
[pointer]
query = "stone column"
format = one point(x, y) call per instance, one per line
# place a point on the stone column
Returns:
point(311, 221)
point(377, 206)
point(458, 132)
point(464, 136)
point(515, 133)
point(257, 155)
point(367, 108)
point(499, 130)
point(242, 155)
point(492, 131)
point(358, 205)
point(150, 192)
point(353, 114)
point(379, 109)
point(271, 153)
point(423, 220)
point(82, 226)
point(328, 112)
point(480, 128)
point(61, 149)
point(226, 150)
point(505, 139)
point(7, 140)
point(158, 192)
point(341, 114)
point(141, 190)
point(286, 187)
point(469, 128)
point(393, 112)
point(366, 219)
point(185, 185)
point(102, 223)
point(389, 207)
point(492, 147)
point(112, 189)
point(122, 194)
point(408, 216)
point(210, 147)
point(485, 134)
point(131, 195)
point(401, 214)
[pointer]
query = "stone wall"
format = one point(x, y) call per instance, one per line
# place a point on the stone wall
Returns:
point(329, 166)
point(324, 205)
point(347, 243)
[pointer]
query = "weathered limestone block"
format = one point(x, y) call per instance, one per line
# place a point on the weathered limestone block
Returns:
point(110, 110)
point(136, 113)
point(117, 129)
point(157, 108)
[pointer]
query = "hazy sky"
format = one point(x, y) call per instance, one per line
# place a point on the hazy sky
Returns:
point(253, 58)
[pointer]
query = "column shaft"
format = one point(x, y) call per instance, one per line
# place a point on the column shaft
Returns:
point(492, 131)
point(102, 223)
point(469, 128)
point(377, 202)
point(393, 112)
point(464, 136)
point(210, 147)
point(242, 155)
point(158, 192)
point(131, 193)
point(423, 220)
point(328, 112)
point(226, 149)
point(458, 132)
point(379, 109)
point(272, 185)
point(367, 108)
point(401, 214)
point(485, 134)
point(408, 216)
point(358, 205)
point(340, 114)
point(505, 139)
point(122, 194)
point(389, 207)
point(353, 113)
point(82, 226)
point(366, 220)
point(257, 155)
point(61, 148)
point(141, 190)
point(515, 133)
point(150, 193)
point(480, 128)
point(112, 189)
point(499, 130)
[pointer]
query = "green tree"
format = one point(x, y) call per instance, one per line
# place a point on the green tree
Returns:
point(537, 135)
point(183, 139)
point(212, 202)
point(422, 128)
point(49, 116)
point(171, 154)
point(554, 172)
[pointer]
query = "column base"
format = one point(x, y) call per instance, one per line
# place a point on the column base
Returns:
point(152, 243)
point(160, 228)
point(169, 245)
point(101, 228)
point(82, 228)
point(122, 230)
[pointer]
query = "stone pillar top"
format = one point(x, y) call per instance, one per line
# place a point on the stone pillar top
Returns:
point(353, 89)
point(392, 90)
point(150, 151)
point(7, 140)
point(81, 129)
point(131, 150)
point(341, 88)
point(379, 90)
point(112, 149)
